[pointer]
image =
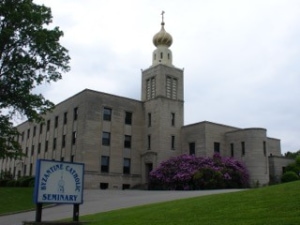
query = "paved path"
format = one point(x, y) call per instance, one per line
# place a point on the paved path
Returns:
point(106, 200)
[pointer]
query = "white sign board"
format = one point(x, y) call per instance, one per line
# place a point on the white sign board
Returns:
point(59, 182)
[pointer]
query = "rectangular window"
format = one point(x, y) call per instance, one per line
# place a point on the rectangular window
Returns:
point(172, 142)
point(63, 143)
point(173, 119)
point(171, 87)
point(62, 159)
point(128, 118)
point(107, 114)
point(149, 142)
point(28, 133)
point(39, 148)
point(74, 136)
point(106, 138)
point(54, 143)
point(34, 131)
point(192, 148)
point(126, 166)
point(41, 128)
point(56, 122)
point(72, 158)
point(217, 147)
point(48, 125)
point(149, 120)
point(265, 148)
point(127, 141)
point(46, 146)
point(75, 114)
point(243, 148)
point(23, 136)
point(232, 149)
point(104, 164)
point(26, 151)
point(65, 118)
point(150, 88)
point(32, 150)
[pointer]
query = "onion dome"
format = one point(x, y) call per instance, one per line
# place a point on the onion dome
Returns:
point(162, 37)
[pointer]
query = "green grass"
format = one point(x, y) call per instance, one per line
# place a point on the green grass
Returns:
point(15, 199)
point(276, 205)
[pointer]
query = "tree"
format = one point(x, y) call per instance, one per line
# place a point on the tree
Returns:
point(30, 55)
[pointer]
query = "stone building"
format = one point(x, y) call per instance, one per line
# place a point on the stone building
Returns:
point(120, 139)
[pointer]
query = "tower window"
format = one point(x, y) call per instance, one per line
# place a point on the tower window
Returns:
point(34, 131)
point(264, 148)
point(48, 125)
point(149, 142)
point(41, 128)
point(171, 89)
point(150, 88)
point(149, 119)
point(75, 114)
point(65, 118)
point(56, 122)
point(107, 114)
point(173, 119)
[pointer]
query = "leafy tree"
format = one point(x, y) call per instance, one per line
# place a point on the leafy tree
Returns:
point(292, 155)
point(30, 55)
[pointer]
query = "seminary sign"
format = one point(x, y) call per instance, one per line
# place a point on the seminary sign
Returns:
point(58, 182)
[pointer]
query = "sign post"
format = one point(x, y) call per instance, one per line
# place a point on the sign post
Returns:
point(59, 183)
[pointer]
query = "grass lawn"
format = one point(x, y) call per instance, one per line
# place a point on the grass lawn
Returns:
point(276, 205)
point(15, 199)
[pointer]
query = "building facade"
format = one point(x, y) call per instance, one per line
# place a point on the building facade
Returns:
point(120, 140)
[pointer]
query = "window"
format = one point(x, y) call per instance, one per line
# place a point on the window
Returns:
point(56, 122)
point(72, 158)
point(26, 151)
point(41, 128)
point(62, 159)
point(192, 148)
point(103, 186)
point(28, 133)
point(74, 136)
point(106, 138)
point(217, 147)
point(265, 148)
point(75, 114)
point(46, 146)
point(243, 148)
point(126, 166)
point(150, 88)
point(32, 150)
point(63, 143)
point(149, 119)
point(172, 142)
point(232, 149)
point(128, 118)
point(107, 114)
point(161, 55)
point(127, 141)
point(34, 131)
point(48, 125)
point(39, 147)
point(23, 136)
point(105, 164)
point(125, 186)
point(173, 119)
point(65, 118)
point(171, 90)
point(149, 142)
point(54, 143)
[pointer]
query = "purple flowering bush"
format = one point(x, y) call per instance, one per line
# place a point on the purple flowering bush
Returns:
point(188, 172)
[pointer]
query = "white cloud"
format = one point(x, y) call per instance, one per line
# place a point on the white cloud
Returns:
point(241, 58)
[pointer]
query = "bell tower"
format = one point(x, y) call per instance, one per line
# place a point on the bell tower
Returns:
point(162, 96)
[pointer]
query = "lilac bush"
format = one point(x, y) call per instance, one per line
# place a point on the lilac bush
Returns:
point(188, 172)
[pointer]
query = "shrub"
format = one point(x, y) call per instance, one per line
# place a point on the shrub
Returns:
point(25, 181)
point(190, 172)
point(289, 176)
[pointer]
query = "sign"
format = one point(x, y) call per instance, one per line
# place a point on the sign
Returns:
point(58, 182)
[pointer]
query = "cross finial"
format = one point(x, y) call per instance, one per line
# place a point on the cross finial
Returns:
point(162, 16)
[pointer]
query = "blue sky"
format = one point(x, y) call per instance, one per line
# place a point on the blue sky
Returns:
point(240, 58)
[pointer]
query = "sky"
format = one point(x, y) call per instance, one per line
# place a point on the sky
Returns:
point(240, 58)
